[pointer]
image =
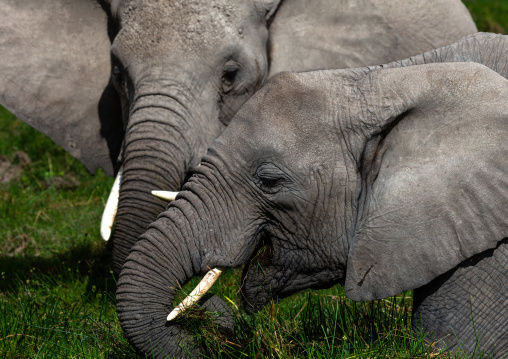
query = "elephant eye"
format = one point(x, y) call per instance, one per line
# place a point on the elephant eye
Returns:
point(229, 76)
point(119, 80)
point(269, 178)
point(116, 74)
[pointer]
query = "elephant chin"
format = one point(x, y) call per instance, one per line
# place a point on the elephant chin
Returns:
point(265, 278)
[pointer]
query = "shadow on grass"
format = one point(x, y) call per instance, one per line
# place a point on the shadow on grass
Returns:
point(92, 260)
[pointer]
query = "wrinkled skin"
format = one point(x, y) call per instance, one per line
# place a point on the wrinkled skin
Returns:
point(150, 84)
point(382, 179)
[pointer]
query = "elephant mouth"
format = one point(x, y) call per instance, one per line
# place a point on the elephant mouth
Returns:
point(261, 254)
point(260, 281)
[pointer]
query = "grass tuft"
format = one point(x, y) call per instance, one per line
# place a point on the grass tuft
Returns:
point(310, 324)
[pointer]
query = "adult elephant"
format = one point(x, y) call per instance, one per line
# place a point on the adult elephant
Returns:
point(382, 179)
point(150, 84)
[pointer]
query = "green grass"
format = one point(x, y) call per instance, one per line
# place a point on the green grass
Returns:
point(489, 15)
point(322, 324)
point(60, 316)
point(57, 291)
point(56, 288)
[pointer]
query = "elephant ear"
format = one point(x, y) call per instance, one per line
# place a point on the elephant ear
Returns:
point(323, 34)
point(434, 172)
point(270, 8)
point(55, 75)
point(331, 34)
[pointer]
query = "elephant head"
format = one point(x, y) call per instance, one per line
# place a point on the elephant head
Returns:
point(380, 179)
point(150, 84)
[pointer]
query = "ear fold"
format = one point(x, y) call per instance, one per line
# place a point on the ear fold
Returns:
point(54, 75)
point(271, 7)
point(435, 188)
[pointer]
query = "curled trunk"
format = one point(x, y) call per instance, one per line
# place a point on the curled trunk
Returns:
point(164, 259)
point(186, 240)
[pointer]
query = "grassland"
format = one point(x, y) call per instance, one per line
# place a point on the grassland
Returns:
point(57, 291)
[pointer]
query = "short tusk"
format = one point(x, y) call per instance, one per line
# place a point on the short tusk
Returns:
point(206, 283)
point(108, 217)
point(168, 196)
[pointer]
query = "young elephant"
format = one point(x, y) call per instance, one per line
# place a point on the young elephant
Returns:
point(382, 180)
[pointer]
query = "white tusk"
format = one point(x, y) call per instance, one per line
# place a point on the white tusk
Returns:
point(108, 217)
point(206, 283)
point(167, 195)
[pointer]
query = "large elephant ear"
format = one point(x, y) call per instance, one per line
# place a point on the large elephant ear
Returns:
point(323, 34)
point(54, 75)
point(331, 34)
point(435, 174)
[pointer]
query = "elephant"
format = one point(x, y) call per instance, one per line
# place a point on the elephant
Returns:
point(382, 179)
point(148, 85)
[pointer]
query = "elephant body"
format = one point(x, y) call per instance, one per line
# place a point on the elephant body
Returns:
point(150, 84)
point(476, 289)
point(382, 179)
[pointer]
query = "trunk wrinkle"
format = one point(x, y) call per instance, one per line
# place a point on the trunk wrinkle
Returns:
point(196, 264)
point(144, 173)
point(149, 185)
point(152, 121)
point(143, 154)
point(157, 107)
point(163, 260)
point(173, 98)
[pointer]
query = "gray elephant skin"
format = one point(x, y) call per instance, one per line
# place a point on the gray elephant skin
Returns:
point(149, 84)
point(382, 179)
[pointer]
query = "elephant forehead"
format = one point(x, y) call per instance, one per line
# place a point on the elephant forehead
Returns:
point(289, 115)
point(191, 22)
point(285, 144)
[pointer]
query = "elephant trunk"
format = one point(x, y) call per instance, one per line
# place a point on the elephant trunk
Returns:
point(162, 143)
point(155, 269)
point(167, 256)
